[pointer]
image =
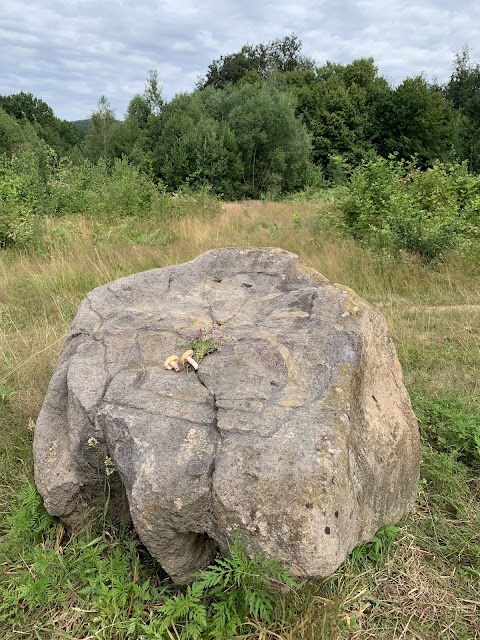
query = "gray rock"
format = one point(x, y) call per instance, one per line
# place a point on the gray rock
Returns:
point(298, 432)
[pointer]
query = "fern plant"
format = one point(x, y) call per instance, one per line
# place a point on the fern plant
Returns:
point(30, 519)
point(99, 573)
point(187, 610)
point(376, 549)
point(224, 596)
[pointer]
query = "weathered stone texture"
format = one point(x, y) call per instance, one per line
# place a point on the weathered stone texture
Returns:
point(299, 431)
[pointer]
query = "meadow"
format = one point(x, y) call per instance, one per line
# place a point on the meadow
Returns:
point(417, 580)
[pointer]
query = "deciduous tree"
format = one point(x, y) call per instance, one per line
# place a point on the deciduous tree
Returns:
point(100, 141)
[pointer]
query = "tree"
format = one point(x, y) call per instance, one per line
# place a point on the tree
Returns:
point(194, 148)
point(273, 144)
point(25, 105)
point(416, 120)
point(131, 134)
point(15, 135)
point(137, 136)
point(463, 89)
point(336, 102)
point(59, 134)
point(153, 93)
point(280, 55)
point(101, 137)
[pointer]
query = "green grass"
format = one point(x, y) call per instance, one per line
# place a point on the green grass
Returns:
point(419, 579)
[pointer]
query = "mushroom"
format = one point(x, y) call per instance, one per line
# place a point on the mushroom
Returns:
point(187, 357)
point(172, 363)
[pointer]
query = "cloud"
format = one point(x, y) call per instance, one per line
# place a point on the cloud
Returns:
point(71, 52)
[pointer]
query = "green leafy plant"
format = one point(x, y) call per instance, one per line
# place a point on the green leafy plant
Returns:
point(450, 427)
point(185, 613)
point(97, 571)
point(297, 220)
point(23, 179)
point(376, 549)
point(30, 520)
point(6, 393)
point(392, 204)
point(225, 595)
point(102, 572)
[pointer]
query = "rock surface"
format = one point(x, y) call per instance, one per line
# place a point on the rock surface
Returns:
point(299, 431)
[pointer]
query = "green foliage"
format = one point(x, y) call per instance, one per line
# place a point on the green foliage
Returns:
point(241, 142)
point(137, 137)
point(336, 102)
point(453, 525)
point(6, 393)
point(450, 427)
point(273, 144)
point(375, 550)
point(33, 182)
point(100, 140)
point(82, 126)
point(23, 192)
point(225, 595)
point(185, 613)
point(195, 149)
point(61, 135)
point(101, 189)
point(263, 60)
point(98, 573)
point(463, 89)
point(30, 522)
point(414, 120)
point(103, 574)
point(15, 135)
point(394, 205)
point(153, 93)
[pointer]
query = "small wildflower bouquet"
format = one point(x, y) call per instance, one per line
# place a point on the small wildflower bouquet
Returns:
point(204, 340)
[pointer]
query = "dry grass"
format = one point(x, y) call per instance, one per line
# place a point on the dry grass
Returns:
point(298, 228)
point(439, 347)
point(417, 592)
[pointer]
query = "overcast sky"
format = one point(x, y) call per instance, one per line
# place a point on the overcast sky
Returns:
point(70, 52)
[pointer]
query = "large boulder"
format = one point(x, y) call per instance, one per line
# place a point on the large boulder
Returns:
point(298, 432)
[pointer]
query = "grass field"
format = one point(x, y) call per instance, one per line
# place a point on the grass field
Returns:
point(420, 580)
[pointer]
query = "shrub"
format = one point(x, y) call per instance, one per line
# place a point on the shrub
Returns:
point(23, 187)
point(394, 205)
point(108, 189)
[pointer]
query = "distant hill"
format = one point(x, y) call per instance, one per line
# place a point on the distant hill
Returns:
point(82, 126)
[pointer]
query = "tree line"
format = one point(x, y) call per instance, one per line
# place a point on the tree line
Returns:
point(266, 119)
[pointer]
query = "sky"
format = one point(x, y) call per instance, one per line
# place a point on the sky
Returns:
point(71, 52)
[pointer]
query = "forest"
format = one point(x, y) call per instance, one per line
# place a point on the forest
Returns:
point(376, 187)
point(264, 122)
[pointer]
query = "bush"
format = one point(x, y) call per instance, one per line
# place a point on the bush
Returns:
point(113, 189)
point(394, 205)
point(23, 187)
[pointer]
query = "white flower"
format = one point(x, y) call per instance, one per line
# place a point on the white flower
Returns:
point(109, 466)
